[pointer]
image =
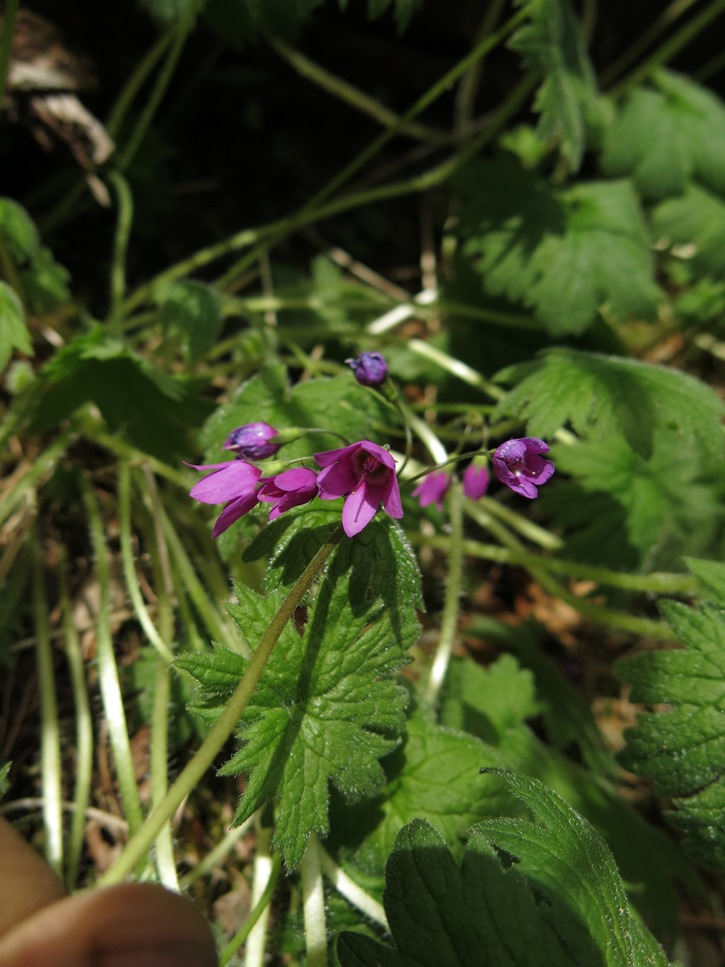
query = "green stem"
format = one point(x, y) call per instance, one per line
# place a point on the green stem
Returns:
point(129, 569)
point(260, 907)
point(449, 620)
point(108, 670)
point(351, 891)
point(6, 42)
point(671, 47)
point(50, 760)
point(352, 95)
point(223, 727)
point(84, 730)
point(120, 247)
point(313, 901)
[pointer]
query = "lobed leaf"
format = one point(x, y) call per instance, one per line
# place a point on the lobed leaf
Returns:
point(563, 253)
point(604, 396)
point(667, 135)
point(552, 43)
point(681, 746)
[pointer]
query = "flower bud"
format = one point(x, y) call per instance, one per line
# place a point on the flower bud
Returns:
point(369, 369)
point(253, 441)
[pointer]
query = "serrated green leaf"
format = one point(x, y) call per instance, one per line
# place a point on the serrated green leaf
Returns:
point(552, 43)
point(682, 748)
point(564, 253)
point(468, 915)
point(604, 396)
point(193, 310)
point(568, 860)
point(627, 510)
point(693, 226)
point(326, 707)
point(154, 409)
point(14, 333)
point(666, 136)
point(435, 775)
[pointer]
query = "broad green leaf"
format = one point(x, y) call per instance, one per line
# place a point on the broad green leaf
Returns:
point(338, 404)
point(194, 311)
point(566, 858)
point(434, 775)
point(552, 43)
point(480, 912)
point(564, 253)
point(14, 333)
point(693, 226)
point(667, 135)
point(326, 707)
point(625, 510)
point(153, 409)
point(602, 396)
point(682, 745)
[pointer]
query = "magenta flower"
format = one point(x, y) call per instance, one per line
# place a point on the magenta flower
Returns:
point(364, 474)
point(369, 369)
point(475, 481)
point(519, 465)
point(233, 483)
point(432, 489)
point(288, 489)
point(252, 441)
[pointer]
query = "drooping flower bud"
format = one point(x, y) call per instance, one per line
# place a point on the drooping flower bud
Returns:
point(253, 441)
point(369, 369)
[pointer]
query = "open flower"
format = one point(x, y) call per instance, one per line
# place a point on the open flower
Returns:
point(432, 489)
point(519, 465)
point(475, 481)
point(233, 483)
point(253, 441)
point(364, 474)
point(288, 489)
point(369, 369)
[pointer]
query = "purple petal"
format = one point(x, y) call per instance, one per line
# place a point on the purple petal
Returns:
point(230, 480)
point(232, 512)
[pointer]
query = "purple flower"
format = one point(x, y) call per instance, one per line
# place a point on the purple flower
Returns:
point(364, 474)
point(252, 441)
point(475, 481)
point(519, 465)
point(288, 489)
point(369, 369)
point(233, 483)
point(432, 489)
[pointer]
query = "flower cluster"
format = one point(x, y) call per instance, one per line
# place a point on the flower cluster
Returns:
point(363, 473)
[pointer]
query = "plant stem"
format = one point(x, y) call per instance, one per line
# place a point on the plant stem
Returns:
point(108, 670)
point(260, 907)
point(84, 730)
point(351, 891)
point(223, 727)
point(670, 47)
point(120, 246)
point(50, 760)
point(313, 900)
point(449, 620)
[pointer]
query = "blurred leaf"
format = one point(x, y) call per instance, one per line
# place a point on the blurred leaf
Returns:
point(666, 136)
point(14, 333)
point(153, 409)
point(193, 310)
point(682, 744)
point(552, 43)
point(605, 396)
point(326, 707)
point(564, 253)
point(694, 226)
